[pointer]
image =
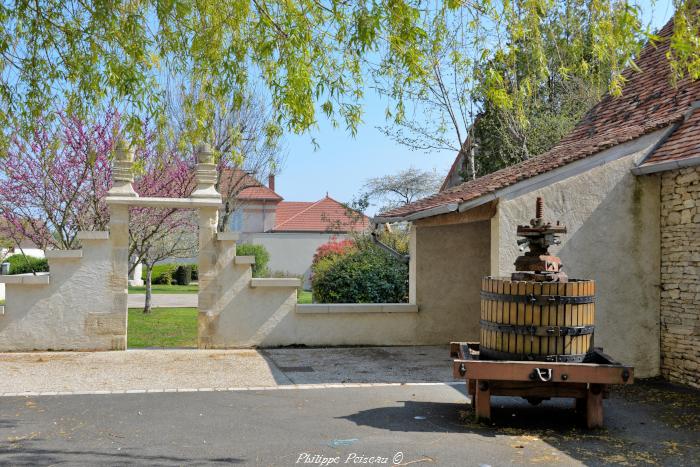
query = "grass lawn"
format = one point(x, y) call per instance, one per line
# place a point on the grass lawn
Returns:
point(163, 327)
point(304, 296)
point(192, 288)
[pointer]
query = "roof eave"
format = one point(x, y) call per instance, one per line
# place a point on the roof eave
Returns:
point(665, 166)
point(435, 211)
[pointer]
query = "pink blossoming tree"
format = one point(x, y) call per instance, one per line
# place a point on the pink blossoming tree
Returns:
point(53, 184)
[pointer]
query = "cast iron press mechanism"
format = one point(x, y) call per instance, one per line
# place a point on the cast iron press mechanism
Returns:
point(537, 264)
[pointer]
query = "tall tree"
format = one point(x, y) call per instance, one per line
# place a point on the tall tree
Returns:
point(528, 76)
point(404, 187)
point(244, 136)
point(53, 185)
point(53, 182)
point(120, 53)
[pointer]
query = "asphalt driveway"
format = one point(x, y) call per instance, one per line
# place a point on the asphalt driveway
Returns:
point(650, 423)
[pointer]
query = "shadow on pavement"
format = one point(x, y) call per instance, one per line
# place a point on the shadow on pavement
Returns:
point(651, 422)
point(29, 456)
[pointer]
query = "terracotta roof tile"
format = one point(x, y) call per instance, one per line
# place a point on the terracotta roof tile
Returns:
point(245, 187)
point(683, 143)
point(325, 215)
point(649, 102)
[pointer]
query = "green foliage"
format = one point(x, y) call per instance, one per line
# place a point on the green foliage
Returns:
point(21, 265)
point(158, 270)
point(262, 257)
point(95, 53)
point(530, 69)
point(304, 297)
point(183, 274)
point(164, 278)
point(195, 272)
point(368, 275)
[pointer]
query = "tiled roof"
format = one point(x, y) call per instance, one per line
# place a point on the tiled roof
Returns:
point(325, 215)
point(246, 187)
point(288, 209)
point(684, 143)
point(649, 102)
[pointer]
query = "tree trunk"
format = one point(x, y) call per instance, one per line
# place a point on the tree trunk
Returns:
point(149, 275)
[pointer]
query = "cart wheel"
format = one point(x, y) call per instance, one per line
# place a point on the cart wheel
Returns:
point(535, 400)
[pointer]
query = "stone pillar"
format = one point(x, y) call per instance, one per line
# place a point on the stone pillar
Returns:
point(207, 272)
point(206, 174)
point(209, 288)
point(122, 178)
point(122, 171)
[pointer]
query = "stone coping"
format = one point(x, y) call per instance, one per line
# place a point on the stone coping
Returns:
point(67, 254)
point(93, 235)
point(181, 203)
point(330, 308)
point(244, 260)
point(26, 279)
point(228, 236)
point(292, 282)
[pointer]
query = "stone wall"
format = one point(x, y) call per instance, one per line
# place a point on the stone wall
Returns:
point(75, 307)
point(680, 276)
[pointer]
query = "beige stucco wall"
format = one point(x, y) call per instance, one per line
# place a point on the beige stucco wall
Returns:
point(448, 264)
point(291, 252)
point(74, 311)
point(245, 316)
point(680, 275)
point(612, 217)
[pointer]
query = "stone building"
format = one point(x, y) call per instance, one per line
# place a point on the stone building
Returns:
point(626, 183)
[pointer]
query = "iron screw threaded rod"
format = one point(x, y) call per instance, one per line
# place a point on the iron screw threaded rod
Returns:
point(539, 208)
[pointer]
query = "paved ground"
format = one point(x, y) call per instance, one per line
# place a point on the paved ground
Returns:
point(188, 369)
point(650, 423)
point(162, 300)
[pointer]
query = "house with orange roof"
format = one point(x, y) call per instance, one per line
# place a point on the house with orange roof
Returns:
point(626, 184)
point(291, 231)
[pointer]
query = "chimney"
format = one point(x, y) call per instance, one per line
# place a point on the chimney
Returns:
point(271, 182)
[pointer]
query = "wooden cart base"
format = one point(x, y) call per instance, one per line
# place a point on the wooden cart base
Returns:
point(586, 382)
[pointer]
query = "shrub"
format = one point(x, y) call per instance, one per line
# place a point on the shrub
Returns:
point(369, 275)
point(183, 274)
point(262, 257)
point(20, 265)
point(334, 248)
point(195, 272)
point(164, 278)
point(159, 270)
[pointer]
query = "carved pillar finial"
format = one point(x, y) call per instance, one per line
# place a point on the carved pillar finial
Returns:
point(206, 173)
point(122, 174)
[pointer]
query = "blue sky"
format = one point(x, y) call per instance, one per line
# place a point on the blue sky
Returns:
point(342, 163)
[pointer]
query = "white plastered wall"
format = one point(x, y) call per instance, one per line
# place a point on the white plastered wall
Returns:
point(291, 252)
point(73, 310)
point(612, 217)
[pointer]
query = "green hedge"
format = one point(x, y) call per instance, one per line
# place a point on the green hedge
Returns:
point(369, 275)
point(20, 265)
point(162, 273)
point(183, 274)
point(167, 273)
point(262, 257)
